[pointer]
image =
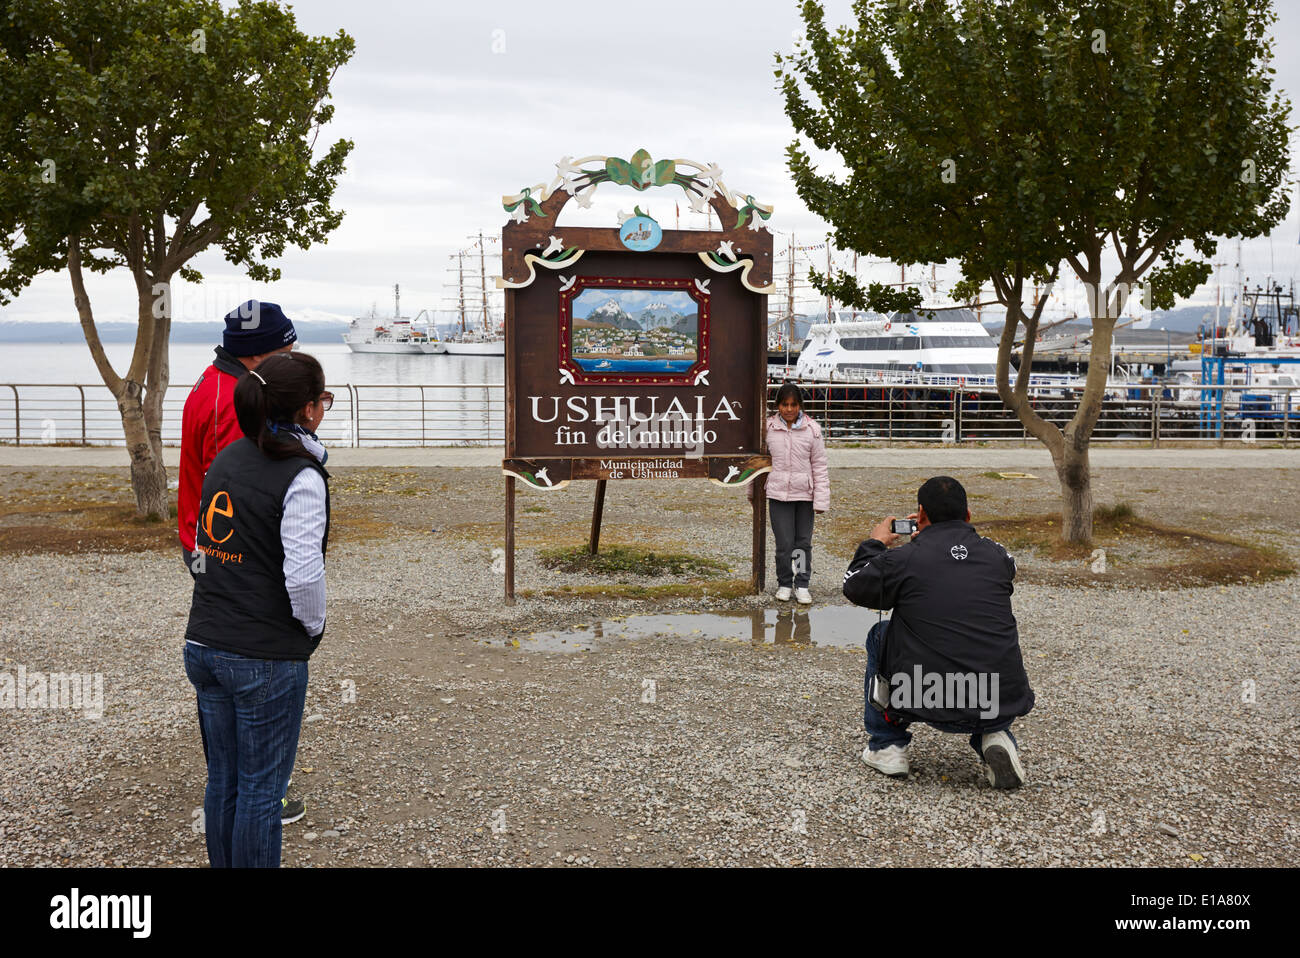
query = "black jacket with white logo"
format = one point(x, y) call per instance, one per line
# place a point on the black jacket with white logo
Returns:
point(950, 592)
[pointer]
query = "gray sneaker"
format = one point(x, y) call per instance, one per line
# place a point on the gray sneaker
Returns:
point(291, 810)
point(1003, 761)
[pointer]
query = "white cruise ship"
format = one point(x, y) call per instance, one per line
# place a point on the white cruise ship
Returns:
point(371, 334)
point(935, 346)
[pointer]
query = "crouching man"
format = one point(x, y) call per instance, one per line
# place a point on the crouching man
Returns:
point(949, 656)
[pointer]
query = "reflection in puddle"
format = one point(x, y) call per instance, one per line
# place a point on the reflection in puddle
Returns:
point(840, 626)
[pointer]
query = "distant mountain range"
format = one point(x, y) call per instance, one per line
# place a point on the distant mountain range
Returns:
point(1125, 336)
point(309, 331)
point(1185, 319)
point(654, 316)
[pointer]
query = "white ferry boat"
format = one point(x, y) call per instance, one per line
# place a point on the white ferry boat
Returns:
point(946, 346)
point(934, 346)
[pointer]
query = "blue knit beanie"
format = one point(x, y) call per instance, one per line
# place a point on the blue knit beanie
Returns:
point(256, 328)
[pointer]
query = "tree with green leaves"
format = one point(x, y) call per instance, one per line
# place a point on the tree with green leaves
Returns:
point(136, 134)
point(1018, 137)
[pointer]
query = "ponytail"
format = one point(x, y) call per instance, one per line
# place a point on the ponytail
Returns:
point(270, 396)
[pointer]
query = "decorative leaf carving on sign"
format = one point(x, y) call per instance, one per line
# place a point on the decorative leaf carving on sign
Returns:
point(718, 264)
point(523, 203)
point(559, 260)
point(579, 178)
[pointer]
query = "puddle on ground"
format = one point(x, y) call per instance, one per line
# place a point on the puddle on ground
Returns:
point(838, 626)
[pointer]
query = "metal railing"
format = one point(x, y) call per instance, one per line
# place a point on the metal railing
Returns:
point(402, 414)
point(1144, 413)
point(387, 414)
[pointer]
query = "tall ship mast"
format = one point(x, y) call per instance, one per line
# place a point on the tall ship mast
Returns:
point(481, 335)
point(789, 307)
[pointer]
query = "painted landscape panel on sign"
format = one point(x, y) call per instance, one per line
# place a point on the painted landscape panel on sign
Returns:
point(635, 330)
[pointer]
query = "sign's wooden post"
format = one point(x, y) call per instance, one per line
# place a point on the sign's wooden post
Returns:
point(635, 352)
point(510, 540)
point(593, 546)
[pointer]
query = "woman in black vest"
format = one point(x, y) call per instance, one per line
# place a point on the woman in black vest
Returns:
point(259, 603)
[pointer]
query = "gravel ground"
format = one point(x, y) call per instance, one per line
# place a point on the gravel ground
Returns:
point(460, 748)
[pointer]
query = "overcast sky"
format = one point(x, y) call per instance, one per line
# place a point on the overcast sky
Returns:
point(451, 105)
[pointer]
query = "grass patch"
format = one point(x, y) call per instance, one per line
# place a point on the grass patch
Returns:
point(728, 589)
point(630, 560)
point(116, 517)
point(1008, 475)
point(356, 525)
point(1043, 533)
point(1109, 515)
point(1199, 558)
point(552, 532)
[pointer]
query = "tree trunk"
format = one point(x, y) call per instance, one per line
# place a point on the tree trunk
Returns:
point(1068, 446)
point(1076, 492)
point(159, 376)
point(148, 474)
point(1072, 468)
point(149, 477)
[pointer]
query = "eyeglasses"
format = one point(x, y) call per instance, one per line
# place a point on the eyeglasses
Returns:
point(326, 400)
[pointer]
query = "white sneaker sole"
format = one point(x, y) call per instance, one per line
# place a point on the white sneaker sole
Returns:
point(1003, 771)
point(893, 770)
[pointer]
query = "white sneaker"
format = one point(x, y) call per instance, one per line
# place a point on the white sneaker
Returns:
point(804, 596)
point(783, 594)
point(1004, 768)
point(888, 761)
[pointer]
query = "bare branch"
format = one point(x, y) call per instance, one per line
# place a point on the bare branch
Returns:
point(205, 232)
point(106, 372)
point(1017, 401)
point(1031, 335)
point(1156, 244)
point(144, 313)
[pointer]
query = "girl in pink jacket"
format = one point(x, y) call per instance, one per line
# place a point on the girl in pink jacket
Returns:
point(798, 486)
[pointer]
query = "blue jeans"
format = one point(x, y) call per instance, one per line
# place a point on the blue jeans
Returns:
point(883, 735)
point(250, 711)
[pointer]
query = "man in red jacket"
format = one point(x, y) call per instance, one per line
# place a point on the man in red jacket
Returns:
point(253, 332)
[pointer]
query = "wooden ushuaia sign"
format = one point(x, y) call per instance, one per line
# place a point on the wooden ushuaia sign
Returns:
point(635, 352)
